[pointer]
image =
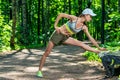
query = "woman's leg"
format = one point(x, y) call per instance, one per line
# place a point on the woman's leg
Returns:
point(75, 42)
point(47, 52)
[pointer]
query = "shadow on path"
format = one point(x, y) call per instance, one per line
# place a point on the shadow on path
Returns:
point(64, 63)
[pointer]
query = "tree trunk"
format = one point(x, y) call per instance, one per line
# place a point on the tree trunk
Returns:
point(103, 19)
point(47, 21)
point(24, 23)
point(29, 20)
point(80, 34)
point(89, 3)
point(19, 4)
point(69, 6)
point(12, 42)
point(24, 13)
point(38, 21)
point(43, 22)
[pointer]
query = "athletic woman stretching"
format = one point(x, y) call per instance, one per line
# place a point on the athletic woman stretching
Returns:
point(62, 35)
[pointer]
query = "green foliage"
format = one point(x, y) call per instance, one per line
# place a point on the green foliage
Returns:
point(91, 56)
point(49, 10)
point(112, 29)
point(113, 16)
point(111, 46)
point(5, 32)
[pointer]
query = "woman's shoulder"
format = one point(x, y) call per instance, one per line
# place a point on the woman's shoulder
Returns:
point(73, 17)
point(85, 27)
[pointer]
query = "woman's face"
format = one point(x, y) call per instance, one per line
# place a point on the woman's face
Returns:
point(88, 17)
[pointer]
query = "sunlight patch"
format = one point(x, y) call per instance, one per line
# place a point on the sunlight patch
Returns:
point(31, 69)
point(66, 79)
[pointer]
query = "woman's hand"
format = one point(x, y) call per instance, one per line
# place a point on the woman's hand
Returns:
point(57, 29)
point(102, 49)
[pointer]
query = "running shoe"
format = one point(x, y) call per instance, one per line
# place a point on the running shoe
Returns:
point(39, 74)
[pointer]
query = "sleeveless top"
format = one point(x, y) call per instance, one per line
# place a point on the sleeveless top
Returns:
point(71, 27)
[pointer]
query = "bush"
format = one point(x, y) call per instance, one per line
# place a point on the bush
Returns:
point(5, 34)
point(111, 46)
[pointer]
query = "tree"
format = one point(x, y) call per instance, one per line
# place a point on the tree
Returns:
point(38, 29)
point(103, 19)
point(33, 20)
point(12, 42)
point(80, 34)
point(25, 29)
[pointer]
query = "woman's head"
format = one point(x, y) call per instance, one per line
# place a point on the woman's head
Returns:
point(87, 13)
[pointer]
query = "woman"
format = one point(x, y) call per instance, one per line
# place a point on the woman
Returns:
point(63, 34)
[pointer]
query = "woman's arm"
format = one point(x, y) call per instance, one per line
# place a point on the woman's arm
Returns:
point(63, 15)
point(91, 38)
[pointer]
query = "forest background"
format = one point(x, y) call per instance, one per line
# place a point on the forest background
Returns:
point(29, 23)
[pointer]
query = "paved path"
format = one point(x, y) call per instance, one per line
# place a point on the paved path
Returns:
point(64, 63)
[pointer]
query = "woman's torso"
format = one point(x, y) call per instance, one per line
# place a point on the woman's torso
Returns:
point(71, 27)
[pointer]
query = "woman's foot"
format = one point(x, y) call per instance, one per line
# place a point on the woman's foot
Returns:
point(39, 74)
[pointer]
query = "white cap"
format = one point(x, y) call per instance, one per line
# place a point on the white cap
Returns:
point(88, 11)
